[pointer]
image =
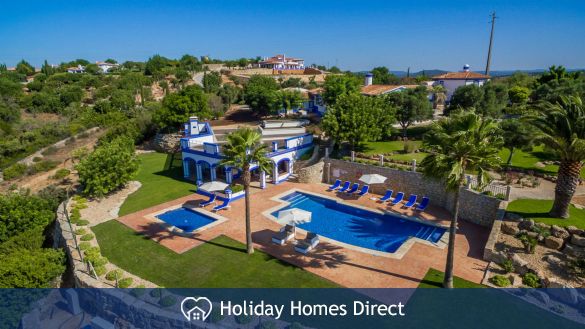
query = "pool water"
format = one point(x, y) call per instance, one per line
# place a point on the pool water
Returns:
point(185, 219)
point(358, 227)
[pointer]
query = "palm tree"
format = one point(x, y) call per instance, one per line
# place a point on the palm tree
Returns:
point(459, 144)
point(244, 148)
point(562, 128)
point(439, 96)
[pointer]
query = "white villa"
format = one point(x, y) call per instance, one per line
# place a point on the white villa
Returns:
point(281, 62)
point(76, 69)
point(105, 66)
point(201, 152)
point(453, 80)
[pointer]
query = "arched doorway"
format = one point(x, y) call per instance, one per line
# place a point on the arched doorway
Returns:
point(205, 171)
point(190, 169)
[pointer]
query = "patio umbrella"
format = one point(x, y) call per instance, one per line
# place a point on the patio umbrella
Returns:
point(293, 216)
point(373, 179)
point(213, 186)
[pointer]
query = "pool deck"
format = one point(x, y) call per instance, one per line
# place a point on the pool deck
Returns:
point(346, 266)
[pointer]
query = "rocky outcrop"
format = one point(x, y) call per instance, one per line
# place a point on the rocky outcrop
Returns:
point(553, 242)
point(167, 143)
point(559, 232)
point(510, 228)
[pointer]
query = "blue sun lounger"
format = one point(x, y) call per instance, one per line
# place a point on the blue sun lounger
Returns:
point(364, 190)
point(387, 196)
point(208, 202)
point(335, 185)
point(354, 188)
point(423, 204)
point(345, 186)
point(222, 206)
point(398, 198)
point(411, 201)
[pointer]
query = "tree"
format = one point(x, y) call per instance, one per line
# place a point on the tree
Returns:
point(290, 99)
point(519, 95)
point(20, 213)
point(111, 61)
point(229, 94)
point(334, 70)
point(178, 107)
point(356, 119)
point(466, 97)
point(9, 112)
point(460, 143)
point(154, 66)
point(183, 76)
point(109, 167)
point(561, 127)
point(439, 96)
point(337, 85)
point(493, 100)
point(190, 63)
point(211, 82)
point(243, 149)
point(261, 94)
point(517, 135)
point(47, 69)
point(382, 76)
point(411, 105)
point(23, 67)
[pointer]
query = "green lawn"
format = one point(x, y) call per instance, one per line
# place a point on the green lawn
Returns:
point(219, 263)
point(386, 147)
point(434, 279)
point(538, 210)
point(159, 184)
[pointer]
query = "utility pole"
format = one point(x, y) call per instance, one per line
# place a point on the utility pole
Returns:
point(489, 57)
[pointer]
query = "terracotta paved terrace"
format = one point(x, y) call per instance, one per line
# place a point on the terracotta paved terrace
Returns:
point(345, 266)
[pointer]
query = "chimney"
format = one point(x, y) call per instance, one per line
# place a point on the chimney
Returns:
point(466, 68)
point(368, 80)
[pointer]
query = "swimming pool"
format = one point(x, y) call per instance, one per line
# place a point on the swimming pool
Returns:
point(359, 227)
point(185, 219)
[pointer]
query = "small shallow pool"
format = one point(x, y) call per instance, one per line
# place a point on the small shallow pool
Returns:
point(185, 219)
point(359, 227)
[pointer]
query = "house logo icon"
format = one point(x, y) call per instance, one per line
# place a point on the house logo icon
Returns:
point(197, 309)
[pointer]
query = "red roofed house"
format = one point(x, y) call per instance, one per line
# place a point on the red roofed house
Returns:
point(454, 80)
point(281, 62)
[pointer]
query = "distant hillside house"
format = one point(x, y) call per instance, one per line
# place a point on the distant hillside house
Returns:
point(281, 62)
point(105, 67)
point(76, 69)
point(453, 80)
point(369, 89)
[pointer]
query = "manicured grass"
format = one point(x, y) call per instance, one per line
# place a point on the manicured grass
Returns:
point(159, 184)
point(409, 157)
point(221, 262)
point(538, 210)
point(528, 160)
point(434, 279)
point(386, 147)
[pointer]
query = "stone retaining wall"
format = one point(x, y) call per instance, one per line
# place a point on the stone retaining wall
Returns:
point(312, 173)
point(474, 207)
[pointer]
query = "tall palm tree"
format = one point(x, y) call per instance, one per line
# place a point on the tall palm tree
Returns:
point(459, 144)
point(244, 149)
point(562, 128)
point(439, 96)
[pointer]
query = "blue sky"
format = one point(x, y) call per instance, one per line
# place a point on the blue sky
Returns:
point(355, 35)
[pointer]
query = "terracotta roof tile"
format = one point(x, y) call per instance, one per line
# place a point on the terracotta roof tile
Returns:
point(461, 76)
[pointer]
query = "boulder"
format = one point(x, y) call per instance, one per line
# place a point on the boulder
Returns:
point(519, 263)
point(559, 232)
point(510, 228)
point(540, 296)
point(573, 250)
point(499, 257)
point(543, 226)
point(553, 242)
point(533, 235)
point(562, 292)
point(578, 240)
point(526, 224)
point(553, 260)
point(575, 230)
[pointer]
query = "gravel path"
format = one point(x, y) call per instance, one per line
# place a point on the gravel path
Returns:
point(103, 210)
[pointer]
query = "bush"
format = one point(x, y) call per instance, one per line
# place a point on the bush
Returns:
point(17, 170)
point(244, 319)
point(138, 291)
point(114, 274)
point(531, 280)
point(155, 293)
point(86, 237)
point(507, 266)
point(529, 243)
point(75, 215)
point(80, 231)
point(82, 222)
point(125, 283)
point(61, 174)
point(84, 245)
point(100, 270)
point(500, 280)
point(409, 147)
point(236, 188)
point(167, 301)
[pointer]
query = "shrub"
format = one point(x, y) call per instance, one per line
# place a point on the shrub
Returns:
point(80, 231)
point(138, 291)
point(82, 222)
point(236, 188)
point(167, 301)
point(100, 270)
point(49, 150)
point(500, 280)
point(244, 319)
point(155, 293)
point(125, 283)
point(37, 159)
point(409, 147)
point(86, 237)
point(61, 174)
point(531, 280)
point(507, 265)
point(17, 170)
point(43, 166)
point(75, 215)
point(84, 245)
point(114, 274)
point(216, 316)
point(528, 242)
point(268, 325)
